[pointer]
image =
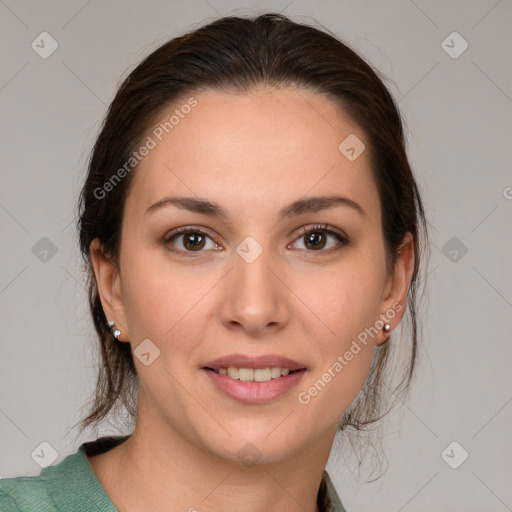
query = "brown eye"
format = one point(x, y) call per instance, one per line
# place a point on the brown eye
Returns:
point(316, 238)
point(193, 241)
point(188, 240)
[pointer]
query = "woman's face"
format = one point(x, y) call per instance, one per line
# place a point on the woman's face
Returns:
point(250, 284)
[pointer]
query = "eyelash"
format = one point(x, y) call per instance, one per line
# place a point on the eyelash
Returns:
point(325, 228)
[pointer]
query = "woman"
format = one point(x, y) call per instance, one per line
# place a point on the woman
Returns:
point(252, 230)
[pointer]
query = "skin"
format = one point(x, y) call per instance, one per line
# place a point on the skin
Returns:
point(252, 153)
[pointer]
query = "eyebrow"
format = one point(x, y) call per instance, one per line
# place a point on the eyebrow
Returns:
point(298, 207)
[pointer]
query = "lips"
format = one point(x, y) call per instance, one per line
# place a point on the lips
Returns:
point(254, 362)
point(254, 379)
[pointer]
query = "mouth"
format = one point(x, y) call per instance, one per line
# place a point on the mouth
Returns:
point(254, 379)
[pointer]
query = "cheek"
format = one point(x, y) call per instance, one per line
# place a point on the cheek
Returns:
point(159, 298)
point(345, 302)
point(170, 310)
point(160, 308)
point(342, 359)
point(348, 306)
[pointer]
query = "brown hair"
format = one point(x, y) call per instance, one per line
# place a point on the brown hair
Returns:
point(237, 54)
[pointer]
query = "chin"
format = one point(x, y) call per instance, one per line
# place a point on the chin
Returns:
point(262, 443)
point(250, 452)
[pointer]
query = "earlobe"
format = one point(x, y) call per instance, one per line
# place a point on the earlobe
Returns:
point(108, 281)
point(397, 286)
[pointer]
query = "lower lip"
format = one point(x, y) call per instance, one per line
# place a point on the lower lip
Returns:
point(255, 392)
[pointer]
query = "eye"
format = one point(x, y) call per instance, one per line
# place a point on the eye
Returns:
point(188, 240)
point(315, 238)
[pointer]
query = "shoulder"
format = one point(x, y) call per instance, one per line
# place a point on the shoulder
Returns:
point(70, 485)
point(24, 494)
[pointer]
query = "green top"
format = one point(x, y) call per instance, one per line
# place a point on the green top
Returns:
point(72, 486)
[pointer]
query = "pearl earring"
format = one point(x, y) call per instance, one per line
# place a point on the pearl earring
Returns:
point(115, 332)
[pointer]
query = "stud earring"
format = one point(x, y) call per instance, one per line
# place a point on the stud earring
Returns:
point(115, 332)
point(386, 328)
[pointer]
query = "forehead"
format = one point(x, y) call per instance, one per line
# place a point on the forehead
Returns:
point(253, 150)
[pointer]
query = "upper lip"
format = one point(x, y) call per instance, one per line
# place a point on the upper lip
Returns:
point(247, 361)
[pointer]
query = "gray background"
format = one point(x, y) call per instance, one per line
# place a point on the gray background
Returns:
point(458, 113)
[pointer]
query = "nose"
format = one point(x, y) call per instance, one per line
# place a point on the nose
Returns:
point(256, 298)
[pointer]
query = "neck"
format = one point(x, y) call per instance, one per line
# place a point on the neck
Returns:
point(159, 469)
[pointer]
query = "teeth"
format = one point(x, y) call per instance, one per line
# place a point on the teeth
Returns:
point(253, 375)
point(262, 375)
point(245, 374)
point(275, 372)
point(233, 372)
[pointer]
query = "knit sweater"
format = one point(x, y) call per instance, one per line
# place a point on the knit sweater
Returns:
point(72, 486)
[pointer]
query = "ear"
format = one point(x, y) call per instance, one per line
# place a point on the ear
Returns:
point(396, 287)
point(108, 281)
